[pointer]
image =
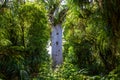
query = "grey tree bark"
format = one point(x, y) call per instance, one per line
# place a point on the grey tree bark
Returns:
point(56, 17)
point(56, 38)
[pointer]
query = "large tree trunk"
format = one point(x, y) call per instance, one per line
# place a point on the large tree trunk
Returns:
point(56, 45)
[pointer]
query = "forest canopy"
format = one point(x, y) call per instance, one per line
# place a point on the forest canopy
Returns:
point(84, 36)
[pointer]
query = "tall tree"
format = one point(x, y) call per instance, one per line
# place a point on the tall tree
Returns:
point(56, 12)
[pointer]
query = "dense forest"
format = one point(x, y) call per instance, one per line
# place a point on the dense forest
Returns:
point(84, 37)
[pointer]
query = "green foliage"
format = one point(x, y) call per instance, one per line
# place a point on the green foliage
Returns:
point(23, 41)
point(67, 72)
point(87, 39)
point(56, 11)
point(91, 34)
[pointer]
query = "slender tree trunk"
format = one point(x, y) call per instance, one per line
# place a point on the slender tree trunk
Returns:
point(23, 36)
point(56, 45)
